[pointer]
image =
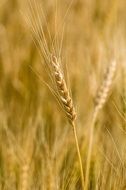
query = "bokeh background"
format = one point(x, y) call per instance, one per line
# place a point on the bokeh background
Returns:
point(37, 148)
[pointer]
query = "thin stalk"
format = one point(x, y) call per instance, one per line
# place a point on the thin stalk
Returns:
point(91, 139)
point(79, 155)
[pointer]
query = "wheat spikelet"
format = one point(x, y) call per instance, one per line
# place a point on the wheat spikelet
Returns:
point(105, 87)
point(65, 98)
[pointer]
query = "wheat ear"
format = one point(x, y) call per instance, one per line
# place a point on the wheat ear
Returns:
point(105, 87)
point(67, 104)
point(100, 100)
point(63, 92)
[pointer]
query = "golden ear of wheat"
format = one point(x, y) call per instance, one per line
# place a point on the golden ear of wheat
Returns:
point(63, 91)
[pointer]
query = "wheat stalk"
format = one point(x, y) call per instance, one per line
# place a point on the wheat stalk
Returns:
point(100, 100)
point(67, 104)
point(59, 86)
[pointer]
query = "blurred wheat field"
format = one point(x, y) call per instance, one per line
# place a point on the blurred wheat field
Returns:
point(37, 145)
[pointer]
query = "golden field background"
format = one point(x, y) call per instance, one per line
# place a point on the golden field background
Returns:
point(37, 148)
